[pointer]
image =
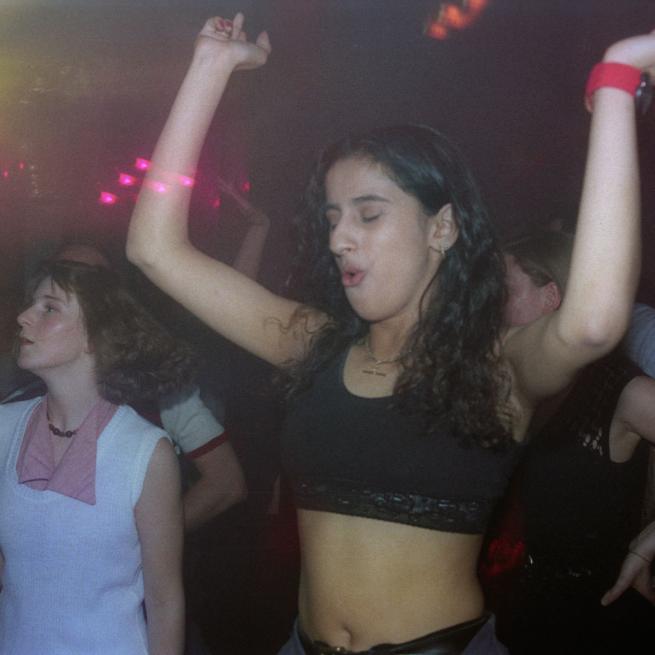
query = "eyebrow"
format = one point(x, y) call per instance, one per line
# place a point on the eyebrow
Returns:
point(47, 296)
point(359, 200)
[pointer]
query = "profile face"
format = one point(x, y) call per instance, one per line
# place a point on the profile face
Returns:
point(526, 302)
point(382, 241)
point(52, 333)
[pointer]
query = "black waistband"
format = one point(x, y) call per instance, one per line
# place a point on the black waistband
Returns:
point(345, 497)
point(449, 641)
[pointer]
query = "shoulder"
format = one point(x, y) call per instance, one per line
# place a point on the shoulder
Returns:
point(643, 316)
point(642, 323)
point(188, 420)
point(13, 411)
point(132, 435)
point(135, 446)
point(640, 340)
point(128, 418)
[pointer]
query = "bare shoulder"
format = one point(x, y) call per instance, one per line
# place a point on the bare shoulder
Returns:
point(304, 325)
point(162, 482)
point(544, 362)
point(163, 457)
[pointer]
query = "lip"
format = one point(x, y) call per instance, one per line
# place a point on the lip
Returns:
point(352, 277)
point(24, 341)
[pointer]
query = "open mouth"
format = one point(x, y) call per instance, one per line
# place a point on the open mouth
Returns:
point(351, 277)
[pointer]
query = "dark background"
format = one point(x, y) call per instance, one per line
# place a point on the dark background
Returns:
point(85, 87)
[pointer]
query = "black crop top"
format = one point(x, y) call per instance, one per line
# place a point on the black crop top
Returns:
point(361, 456)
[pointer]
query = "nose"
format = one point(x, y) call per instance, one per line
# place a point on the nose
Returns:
point(343, 237)
point(24, 318)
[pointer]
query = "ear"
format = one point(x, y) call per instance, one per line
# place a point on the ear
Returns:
point(443, 230)
point(552, 296)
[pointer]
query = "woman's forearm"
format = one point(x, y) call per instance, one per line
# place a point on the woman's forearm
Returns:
point(166, 624)
point(606, 256)
point(159, 219)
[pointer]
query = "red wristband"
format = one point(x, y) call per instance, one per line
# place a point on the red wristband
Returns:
point(612, 74)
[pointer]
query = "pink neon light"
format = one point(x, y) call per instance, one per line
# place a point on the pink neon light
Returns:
point(142, 164)
point(454, 17)
point(159, 187)
point(5, 173)
point(217, 202)
point(126, 180)
point(21, 165)
point(437, 31)
point(245, 187)
point(107, 198)
point(187, 181)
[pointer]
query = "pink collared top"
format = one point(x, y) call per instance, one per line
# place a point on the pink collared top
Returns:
point(75, 474)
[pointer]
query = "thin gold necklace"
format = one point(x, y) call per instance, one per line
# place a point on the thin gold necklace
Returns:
point(377, 362)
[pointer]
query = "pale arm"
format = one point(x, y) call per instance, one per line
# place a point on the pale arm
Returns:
point(193, 427)
point(158, 515)
point(635, 413)
point(636, 568)
point(232, 304)
point(606, 256)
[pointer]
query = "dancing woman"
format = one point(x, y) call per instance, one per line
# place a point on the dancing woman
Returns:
point(407, 401)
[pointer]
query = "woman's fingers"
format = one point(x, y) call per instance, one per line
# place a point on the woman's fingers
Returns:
point(227, 38)
point(635, 572)
point(264, 42)
point(237, 25)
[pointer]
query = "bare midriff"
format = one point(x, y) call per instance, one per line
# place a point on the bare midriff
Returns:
point(365, 582)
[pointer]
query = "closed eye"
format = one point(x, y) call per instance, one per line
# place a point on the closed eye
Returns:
point(332, 219)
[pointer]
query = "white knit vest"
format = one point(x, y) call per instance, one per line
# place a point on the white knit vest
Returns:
point(72, 579)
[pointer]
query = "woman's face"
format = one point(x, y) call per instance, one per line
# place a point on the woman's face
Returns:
point(385, 246)
point(526, 302)
point(52, 333)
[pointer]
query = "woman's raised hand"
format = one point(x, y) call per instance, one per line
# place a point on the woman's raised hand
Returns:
point(224, 37)
point(638, 51)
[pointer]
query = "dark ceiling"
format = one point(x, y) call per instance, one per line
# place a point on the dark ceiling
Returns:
point(85, 87)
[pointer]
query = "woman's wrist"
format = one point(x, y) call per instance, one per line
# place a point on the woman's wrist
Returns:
point(216, 61)
point(624, 77)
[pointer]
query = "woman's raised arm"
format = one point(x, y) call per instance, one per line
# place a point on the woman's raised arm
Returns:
point(606, 256)
point(235, 306)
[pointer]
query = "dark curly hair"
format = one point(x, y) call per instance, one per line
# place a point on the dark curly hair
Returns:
point(452, 370)
point(136, 358)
